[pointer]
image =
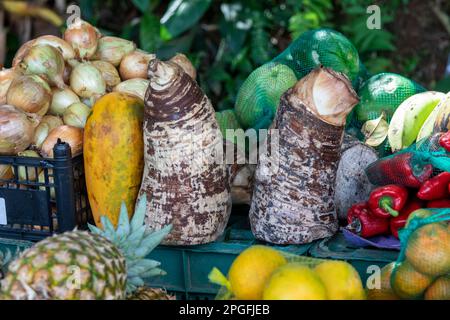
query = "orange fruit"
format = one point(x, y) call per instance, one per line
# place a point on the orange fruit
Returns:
point(428, 249)
point(408, 283)
point(439, 290)
point(385, 291)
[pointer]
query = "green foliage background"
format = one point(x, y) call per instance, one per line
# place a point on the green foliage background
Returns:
point(227, 39)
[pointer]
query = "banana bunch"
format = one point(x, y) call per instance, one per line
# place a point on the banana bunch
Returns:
point(418, 117)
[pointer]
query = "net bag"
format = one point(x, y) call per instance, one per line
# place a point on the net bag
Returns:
point(422, 270)
point(411, 167)
point(259, 95)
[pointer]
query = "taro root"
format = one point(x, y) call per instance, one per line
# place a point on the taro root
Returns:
point(184, 184)
point(293, 200)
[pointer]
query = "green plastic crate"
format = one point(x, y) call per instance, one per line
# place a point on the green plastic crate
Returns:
point(337, 248)
point(188, 267)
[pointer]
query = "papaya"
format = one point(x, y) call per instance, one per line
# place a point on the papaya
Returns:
point(113, 154)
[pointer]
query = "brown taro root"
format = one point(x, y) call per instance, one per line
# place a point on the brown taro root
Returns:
point(293, 200)
point(184, 184)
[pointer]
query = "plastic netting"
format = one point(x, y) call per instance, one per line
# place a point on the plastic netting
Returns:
point(225, 294)
point(411, 167)
point(423, 266)
point(259, 96)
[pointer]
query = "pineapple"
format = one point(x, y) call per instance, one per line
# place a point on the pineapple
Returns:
point(79, 265)
point(146, 293)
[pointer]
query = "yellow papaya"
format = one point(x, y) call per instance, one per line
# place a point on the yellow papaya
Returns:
point(113, 154)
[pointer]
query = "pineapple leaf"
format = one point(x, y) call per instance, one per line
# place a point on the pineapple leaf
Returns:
point(123, 227)
point(139, 214)
point(142, 266)
point(94, 229)
point(108, 227)
point(152, 240)
point(153, 273)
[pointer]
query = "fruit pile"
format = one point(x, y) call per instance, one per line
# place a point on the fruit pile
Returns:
point(261, 272)
point(423, 270)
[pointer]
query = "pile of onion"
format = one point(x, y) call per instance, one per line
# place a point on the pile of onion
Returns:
point(54, 82)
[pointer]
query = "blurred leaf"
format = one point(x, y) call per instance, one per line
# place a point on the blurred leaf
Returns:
point(23, 8)
point(149, 34)
point(443, 85)
point(142, 5)
point(183, 14)
point(178, 45)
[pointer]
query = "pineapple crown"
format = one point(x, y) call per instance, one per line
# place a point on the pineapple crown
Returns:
point(135, 241)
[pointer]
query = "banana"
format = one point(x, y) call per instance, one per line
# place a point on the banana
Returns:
point(442, 123)
point(409, 118)
point(438, 120)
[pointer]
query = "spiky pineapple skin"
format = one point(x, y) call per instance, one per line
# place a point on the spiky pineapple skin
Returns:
point(75, 265)
point(146, 293)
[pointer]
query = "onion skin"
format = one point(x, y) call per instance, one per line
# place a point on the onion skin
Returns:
point(57, 43)
point(135, 87)
point(42, 131)
point(113, 49)
point(109, 73)
point(83, 38)
point(61, 100)
point(87, 81)
point(16, 130)
point(30, 93)
point(46, 61)
point(6, 172)
point(135, 65)
point(30, 173)
point(22, 52)
point(71, 135)
point(186, 64)
point(76, 115)
point(6, 78)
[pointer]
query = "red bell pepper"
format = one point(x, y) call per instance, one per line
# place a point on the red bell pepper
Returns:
point(436, 188)
point(443, 203)
point(387, 201)
point(399, 170)
point(444, 141)
point(399, 222)
point(362, 222)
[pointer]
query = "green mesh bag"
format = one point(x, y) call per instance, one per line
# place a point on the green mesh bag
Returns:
point(384, 92)
point(410, 167)
point(224, 292)
point(259, 95)
point(325, 47)
point(227, 120)
point(258, 98)
point(422, 270)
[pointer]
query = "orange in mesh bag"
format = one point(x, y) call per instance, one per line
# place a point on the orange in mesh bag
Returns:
point(422, 270)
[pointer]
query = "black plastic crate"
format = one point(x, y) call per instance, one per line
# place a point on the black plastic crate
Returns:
point(48, 197)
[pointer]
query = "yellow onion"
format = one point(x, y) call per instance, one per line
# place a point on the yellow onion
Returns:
point(61, 100)
point(71, 135)
point(135, 65)
point(6, 78)
point(183, 61)
point(57, 43)
point(83, 38)
point(22, 52)
point(76, 115)
point(89, 101)
point(113, 49)
point(42, 131)
point(30, 93)
point(41, 179)
point(135, 87)
point(46, 61)
point(28, 173)
point(16, 130)
point(66, 74)
point(6, 172)
point(87, 81)
point(109, 73)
